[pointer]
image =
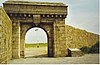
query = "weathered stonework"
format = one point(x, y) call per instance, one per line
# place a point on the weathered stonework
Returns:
point(35, 7)
point(59, 39)
point(5, 37)
point(48, 16)
point(76, 38)
point(74, 52)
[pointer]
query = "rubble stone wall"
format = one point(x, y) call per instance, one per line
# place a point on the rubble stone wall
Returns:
point(5, 37)
point(76, 38)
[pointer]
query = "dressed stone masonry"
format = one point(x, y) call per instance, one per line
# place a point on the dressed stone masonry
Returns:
point(48, 16)
point(20, 16)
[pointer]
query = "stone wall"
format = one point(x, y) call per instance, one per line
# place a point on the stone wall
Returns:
point(49, 16)
point(5, 37)
point(59, 40)
point(76, 38)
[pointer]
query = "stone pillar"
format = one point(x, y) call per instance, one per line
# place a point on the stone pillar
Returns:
point(16, 40)
point(23, 30)
point(22, 45)
point(50, 47)
point(51, 44)
point(59, 40)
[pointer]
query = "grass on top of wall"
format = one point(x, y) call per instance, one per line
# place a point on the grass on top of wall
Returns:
point(35, 45)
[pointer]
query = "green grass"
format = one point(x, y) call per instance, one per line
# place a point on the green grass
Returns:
point(35, 45)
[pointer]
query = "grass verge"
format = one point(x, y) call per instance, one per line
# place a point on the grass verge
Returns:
point(35, 45)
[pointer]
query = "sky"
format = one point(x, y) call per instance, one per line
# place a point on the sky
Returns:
point(82, 14)
point(34, 35)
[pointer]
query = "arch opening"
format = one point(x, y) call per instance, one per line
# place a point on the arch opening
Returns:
point(36, 40)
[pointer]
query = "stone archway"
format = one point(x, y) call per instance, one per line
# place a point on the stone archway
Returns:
point(25, 27)
point(49, 16)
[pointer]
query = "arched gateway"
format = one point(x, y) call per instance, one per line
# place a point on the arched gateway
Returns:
point(48, 16)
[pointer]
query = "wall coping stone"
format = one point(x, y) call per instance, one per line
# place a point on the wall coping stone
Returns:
point(34, 3)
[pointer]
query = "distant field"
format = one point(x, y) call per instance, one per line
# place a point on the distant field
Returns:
point(36, 45)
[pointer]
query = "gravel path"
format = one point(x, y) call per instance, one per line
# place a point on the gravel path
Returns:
point(39, 56)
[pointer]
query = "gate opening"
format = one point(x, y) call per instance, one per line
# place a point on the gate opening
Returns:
point(36, 43)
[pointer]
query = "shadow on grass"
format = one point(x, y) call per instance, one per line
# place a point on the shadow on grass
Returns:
point(38, 56)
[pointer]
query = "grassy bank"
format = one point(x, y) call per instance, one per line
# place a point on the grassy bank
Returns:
point(35, 45)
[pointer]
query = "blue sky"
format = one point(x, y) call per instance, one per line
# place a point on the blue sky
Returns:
point(83, 14)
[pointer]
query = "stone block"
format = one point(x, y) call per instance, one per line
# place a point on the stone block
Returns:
point(16, 53)
point(0, 22)
point(74, 52)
